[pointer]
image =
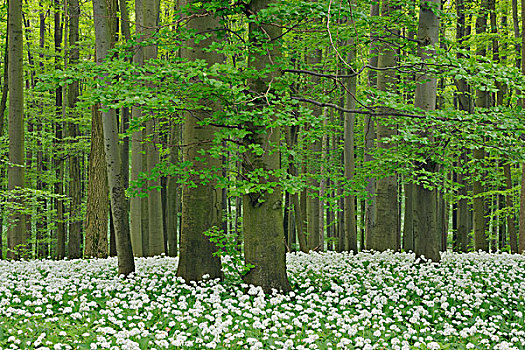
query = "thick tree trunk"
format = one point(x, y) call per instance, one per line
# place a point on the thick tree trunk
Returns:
point(16, 235)
point(103, 36)
point(97, 206)
point(264, 245)
point(201, 205)
point(427, 238)
point(385, 230)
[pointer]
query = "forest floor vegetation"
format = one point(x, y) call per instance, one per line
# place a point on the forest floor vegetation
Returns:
point(339, 301)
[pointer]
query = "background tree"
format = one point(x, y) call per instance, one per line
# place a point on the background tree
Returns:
point(16, 237)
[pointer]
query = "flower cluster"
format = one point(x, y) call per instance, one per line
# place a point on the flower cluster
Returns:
point(339, 301)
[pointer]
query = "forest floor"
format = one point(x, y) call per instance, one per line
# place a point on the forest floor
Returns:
point(339, 301)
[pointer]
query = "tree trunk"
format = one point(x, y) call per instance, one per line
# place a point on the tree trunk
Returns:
point(385, 231)
point(172, 192)
point(370, 131)
point(97, 206)
point(16, 235)
point(408, 222)
point(136, 227)
point(465, 104)
point(521, 242)
point(313, 222)
point(201, 205)
point(156, 230)
point(103, 38)
point(350, 226)
point(521, 236)
point(427, 238)
point(264, 245)
point(59, 134)
point(511, 225)
point(75, 235)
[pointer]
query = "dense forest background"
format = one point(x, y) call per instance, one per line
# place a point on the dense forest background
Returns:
point(270, 126)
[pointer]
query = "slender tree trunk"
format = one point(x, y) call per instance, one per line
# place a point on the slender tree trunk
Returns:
point(41, 225)
point(482, 101)
point(521, 241)
point(125, 112)
point(201, 205)
point(172, 192)
point(465, 104)
point(59, 148)
point(314, 152)
point(298, 209)
point(350, 228)
point(75, 234)
point(264, 245)
point(103, 36)
point(517, 36)
point(511, 225)
point(137, 230)
point(408, 222)
point(156, 230)
point(322, 185)
point(521, 236)
point(370, 131)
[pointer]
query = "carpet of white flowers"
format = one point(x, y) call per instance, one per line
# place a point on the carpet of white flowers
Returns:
point(339, 301)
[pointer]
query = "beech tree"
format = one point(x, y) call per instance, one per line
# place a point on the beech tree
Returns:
point(16, 237)
point(426, 232)
point(119, 212)
point(264, 246)
point(201, 206)
point(318, 120)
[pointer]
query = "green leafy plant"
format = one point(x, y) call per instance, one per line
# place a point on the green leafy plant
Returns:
point(229, 250)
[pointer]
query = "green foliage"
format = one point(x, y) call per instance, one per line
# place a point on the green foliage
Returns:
point(229, 250)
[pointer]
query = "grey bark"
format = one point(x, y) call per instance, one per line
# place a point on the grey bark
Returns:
point(408, 222)
point(173, 198)
point(156, 230)
point(482, 101)
point(313, 208)
point(511, 225)
point(385, 231)
point(103, 37)
point(370, 131)
point(201, 205)
point(136, 227)
point(350, 226)
point(264, 245)
point(75, 225)
point(427, 238)
point(16, 235)
point(97, 205)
